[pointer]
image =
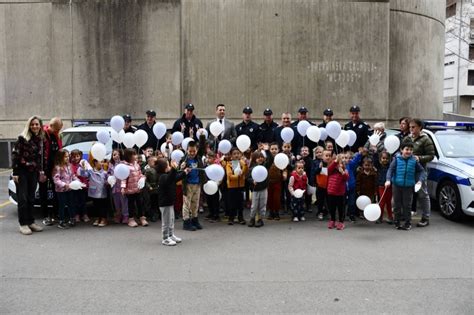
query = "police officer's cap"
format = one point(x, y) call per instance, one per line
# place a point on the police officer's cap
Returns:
point(302, 110)
point(328, 112)
point(247, 110)
point(354, 109)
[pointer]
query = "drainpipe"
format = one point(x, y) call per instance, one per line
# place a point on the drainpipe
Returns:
point(458, 97)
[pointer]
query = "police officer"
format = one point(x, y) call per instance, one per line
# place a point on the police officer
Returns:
point(188, 124)
point(360, 127)
point(147, 126)
point(267, 128)
point(248, 127)
point(327, 117)
point(299, 140)
point(128, 127)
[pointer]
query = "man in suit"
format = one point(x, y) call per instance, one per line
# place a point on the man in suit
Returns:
point(229, 132)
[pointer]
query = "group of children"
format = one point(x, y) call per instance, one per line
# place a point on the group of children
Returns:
point(176, 188)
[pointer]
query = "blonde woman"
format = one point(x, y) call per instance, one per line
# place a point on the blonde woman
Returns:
point(27, 164)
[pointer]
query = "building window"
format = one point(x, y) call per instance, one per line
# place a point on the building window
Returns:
point(450, 10)
point(471, 51)
point(451, 62)
point(470, 77)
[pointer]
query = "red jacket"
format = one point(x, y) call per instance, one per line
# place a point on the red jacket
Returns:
point(336, 180)
point(47, 144)
point(300, 182)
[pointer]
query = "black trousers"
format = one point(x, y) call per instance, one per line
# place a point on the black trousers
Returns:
point(213, 204)
point(50, 212)
point(234, 203)
point(25, 190)
point(135, 206)
point(321, 196)
point(101, 206)
point(336, 202)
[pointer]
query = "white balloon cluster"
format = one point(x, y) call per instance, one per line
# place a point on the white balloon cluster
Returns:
point(371, 210)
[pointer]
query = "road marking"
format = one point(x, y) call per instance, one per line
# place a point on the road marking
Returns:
point(5, 172)
point(6, 203)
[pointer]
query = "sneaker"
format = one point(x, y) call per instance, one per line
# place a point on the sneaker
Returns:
point(125, 219)
point(48, 221)
point(25, 230)
point(196, 224)
point(230, 221)
point(168, 242)
point(251, 222)
point(102, 223)
point(35, 227)
point(331, 225)
point(320, 216)
point(340, 226)
point(62, 225)
point(201, 210)
point(406, 226)
point(295, 219)
point(188, 226)
point(77, 218)
point(132, 222)
point(270, 216)
point(259, 223)
point(117, 218)
point(71, 223)
point(143, 221)
point(302, 219)
point(379, 221)
point(397, 225)
point(175, 238)
point(85, 218)
point(424, 222)
point(352, 219)
point(242, 221)
point(389, 221)
point(277, 217)
point(96, 222)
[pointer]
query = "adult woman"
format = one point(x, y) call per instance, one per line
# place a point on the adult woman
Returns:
point(404, 127)
point(27, 164)
point(424, 152)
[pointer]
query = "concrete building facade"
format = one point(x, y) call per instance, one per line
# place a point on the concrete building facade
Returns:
point(96, 58)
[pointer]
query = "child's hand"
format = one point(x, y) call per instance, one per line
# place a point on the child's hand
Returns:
point(122, 191)
point(387, 183)
point(66, 187)
point(254, 183)
point(183, 165)
point(174, 164)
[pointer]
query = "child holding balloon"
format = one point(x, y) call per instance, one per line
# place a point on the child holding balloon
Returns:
point(298, 181)
point(212, 200)
point(337, 180)
point(131, 187)
point(63, 176)
point(277, 174)
point(236, 172)
point(80, 196)
point(120, 200)
point(97, 189)
point(382, 164)
point(366, 180)
point(258, 183)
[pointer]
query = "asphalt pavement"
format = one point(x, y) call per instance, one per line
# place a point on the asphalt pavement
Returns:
point(283, 267)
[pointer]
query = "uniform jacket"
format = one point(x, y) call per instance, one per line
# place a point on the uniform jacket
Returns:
point(266, 132)
point(362, 130)
point(251, 129)
point(193, 124)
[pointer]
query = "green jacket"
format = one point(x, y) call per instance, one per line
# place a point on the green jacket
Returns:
point(423, 147)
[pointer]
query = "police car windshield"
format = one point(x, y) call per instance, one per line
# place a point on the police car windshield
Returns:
point(457, 145)
point(78, 137)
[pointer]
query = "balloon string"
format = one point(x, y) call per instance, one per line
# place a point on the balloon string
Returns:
point(382, 195)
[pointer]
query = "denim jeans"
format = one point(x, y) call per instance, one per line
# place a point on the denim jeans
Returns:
point(65, 201)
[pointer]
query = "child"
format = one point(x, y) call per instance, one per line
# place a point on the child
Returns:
point(260, 190)
point(131, 187)
point(385, 193)
point(275, 179)
point(150, 193)
point(80, 196)
point(366, 181)
point(236, 171)
point(337, 179)
point(352, 161)
point(330, 146)
point(97, 189)
point(120, 200)
point(298, 180)
point(308, 164)
point(167, 177)
point(286, 196)
point(321, 172)
point(403, 173)
point(192, 186)
point(62, 177)
point(212, 200)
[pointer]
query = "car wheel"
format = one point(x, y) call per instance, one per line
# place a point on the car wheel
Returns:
point(449, 201)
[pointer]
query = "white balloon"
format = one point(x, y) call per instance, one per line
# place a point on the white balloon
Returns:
point(333, 128)
point(210, 188)
point(225, 146)
point(141, 137)
point(103, 136)
point(177, 155)
point(259, 173)
point(177, 137)
point(243, 143)
point(311, 190)
point(281, 161)
point(112, 180)
point(215, 172)
point(75, 185)
point(121, 135)
point(302, 127)
point(12, 186)
point(372, 212)
point(128, 140)
point(391, 143)
point(374, 139)
point(202, 131)
point(185, 142)
point(313, 133)
point(117, 123)
point(216, 128)
point(98, 151)
point(287, 134)
point(159, 130)
point(343, 139)
point(121, 171)
point(115, 136)
point(164, 148)
point(324, 134)
point(363, 201)
point(298, 193)
point(352, 137)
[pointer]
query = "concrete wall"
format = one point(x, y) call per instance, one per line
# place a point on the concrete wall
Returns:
point(97, 58)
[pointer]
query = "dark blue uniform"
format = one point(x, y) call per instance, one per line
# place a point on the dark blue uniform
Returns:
point(362, 130)
point(251, 130)
point(266, 132)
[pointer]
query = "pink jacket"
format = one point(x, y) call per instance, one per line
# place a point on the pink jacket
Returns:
point(63, 176)
point(131, 183)
point(336, 180)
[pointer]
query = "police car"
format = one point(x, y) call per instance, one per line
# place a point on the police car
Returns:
point(451, 173)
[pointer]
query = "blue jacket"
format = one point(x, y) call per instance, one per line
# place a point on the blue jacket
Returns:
point(351, 167)
point(405, 172)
